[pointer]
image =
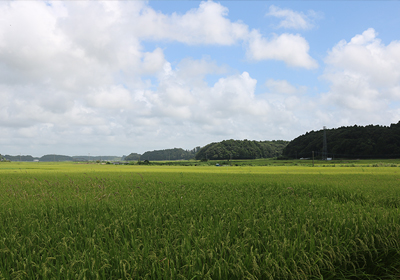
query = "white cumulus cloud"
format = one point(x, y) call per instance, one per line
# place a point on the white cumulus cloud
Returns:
point(70, 70)
point(206, 24)
point(283, 86)
point(292, 19)
point(290, 48)
point(364, 77)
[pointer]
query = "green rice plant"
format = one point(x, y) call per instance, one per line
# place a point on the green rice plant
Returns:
point(135, 222)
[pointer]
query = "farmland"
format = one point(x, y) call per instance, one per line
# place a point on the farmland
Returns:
point(294, 221)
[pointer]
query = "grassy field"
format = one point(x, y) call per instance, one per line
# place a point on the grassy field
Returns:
point(293, 221)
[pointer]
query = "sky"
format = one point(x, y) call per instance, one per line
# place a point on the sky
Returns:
point(117, 77)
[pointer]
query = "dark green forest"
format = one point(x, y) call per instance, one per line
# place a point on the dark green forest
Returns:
point(133, 156)
point(371, 141)
point(19, 158)
point(241, 149)
point(95, 158)
point(54, 158)
point(364, 142)
point(167, 154)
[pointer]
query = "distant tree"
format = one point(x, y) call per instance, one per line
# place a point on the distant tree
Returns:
point(371, 141)
point(18, 158)
point(56, 158)
point(168, 154)
point(241, 149)
point(145, 162)
point(132, 156)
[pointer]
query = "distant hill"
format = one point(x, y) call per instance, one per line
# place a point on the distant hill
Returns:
point(94, 158)
point(167, 154)
point(55, 158)
point(242, 149)
point(19, 158)
point(133, 156)
point(372, 141)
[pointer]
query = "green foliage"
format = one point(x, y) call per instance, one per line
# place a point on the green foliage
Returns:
point(96, 158)
point(132, 156)
point(349, 142)
point(168, 154)
point(145, 162)
point(54, 158)
point(19, 158)
point(57, 158)
point(241, 149)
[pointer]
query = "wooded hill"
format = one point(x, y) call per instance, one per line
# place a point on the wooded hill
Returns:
point(95, 158)
point(53, 158)
point(371, 141)
point(19, 158)
point(241, 149)
point(167, 154)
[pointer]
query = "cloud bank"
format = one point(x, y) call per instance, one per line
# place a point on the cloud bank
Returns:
point(78, 76)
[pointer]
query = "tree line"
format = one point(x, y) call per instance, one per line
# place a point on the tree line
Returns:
point(371, 141)
point(167, 154)
point(241, 149)
point(227, 149)
point(53, 157)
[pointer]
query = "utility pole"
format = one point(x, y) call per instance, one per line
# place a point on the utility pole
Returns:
point(325, 146)
point(313, 158)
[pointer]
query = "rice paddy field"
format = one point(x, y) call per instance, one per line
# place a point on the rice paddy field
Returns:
point(92, 221)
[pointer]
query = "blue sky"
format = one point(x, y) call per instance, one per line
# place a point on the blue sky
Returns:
point(115, 77)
